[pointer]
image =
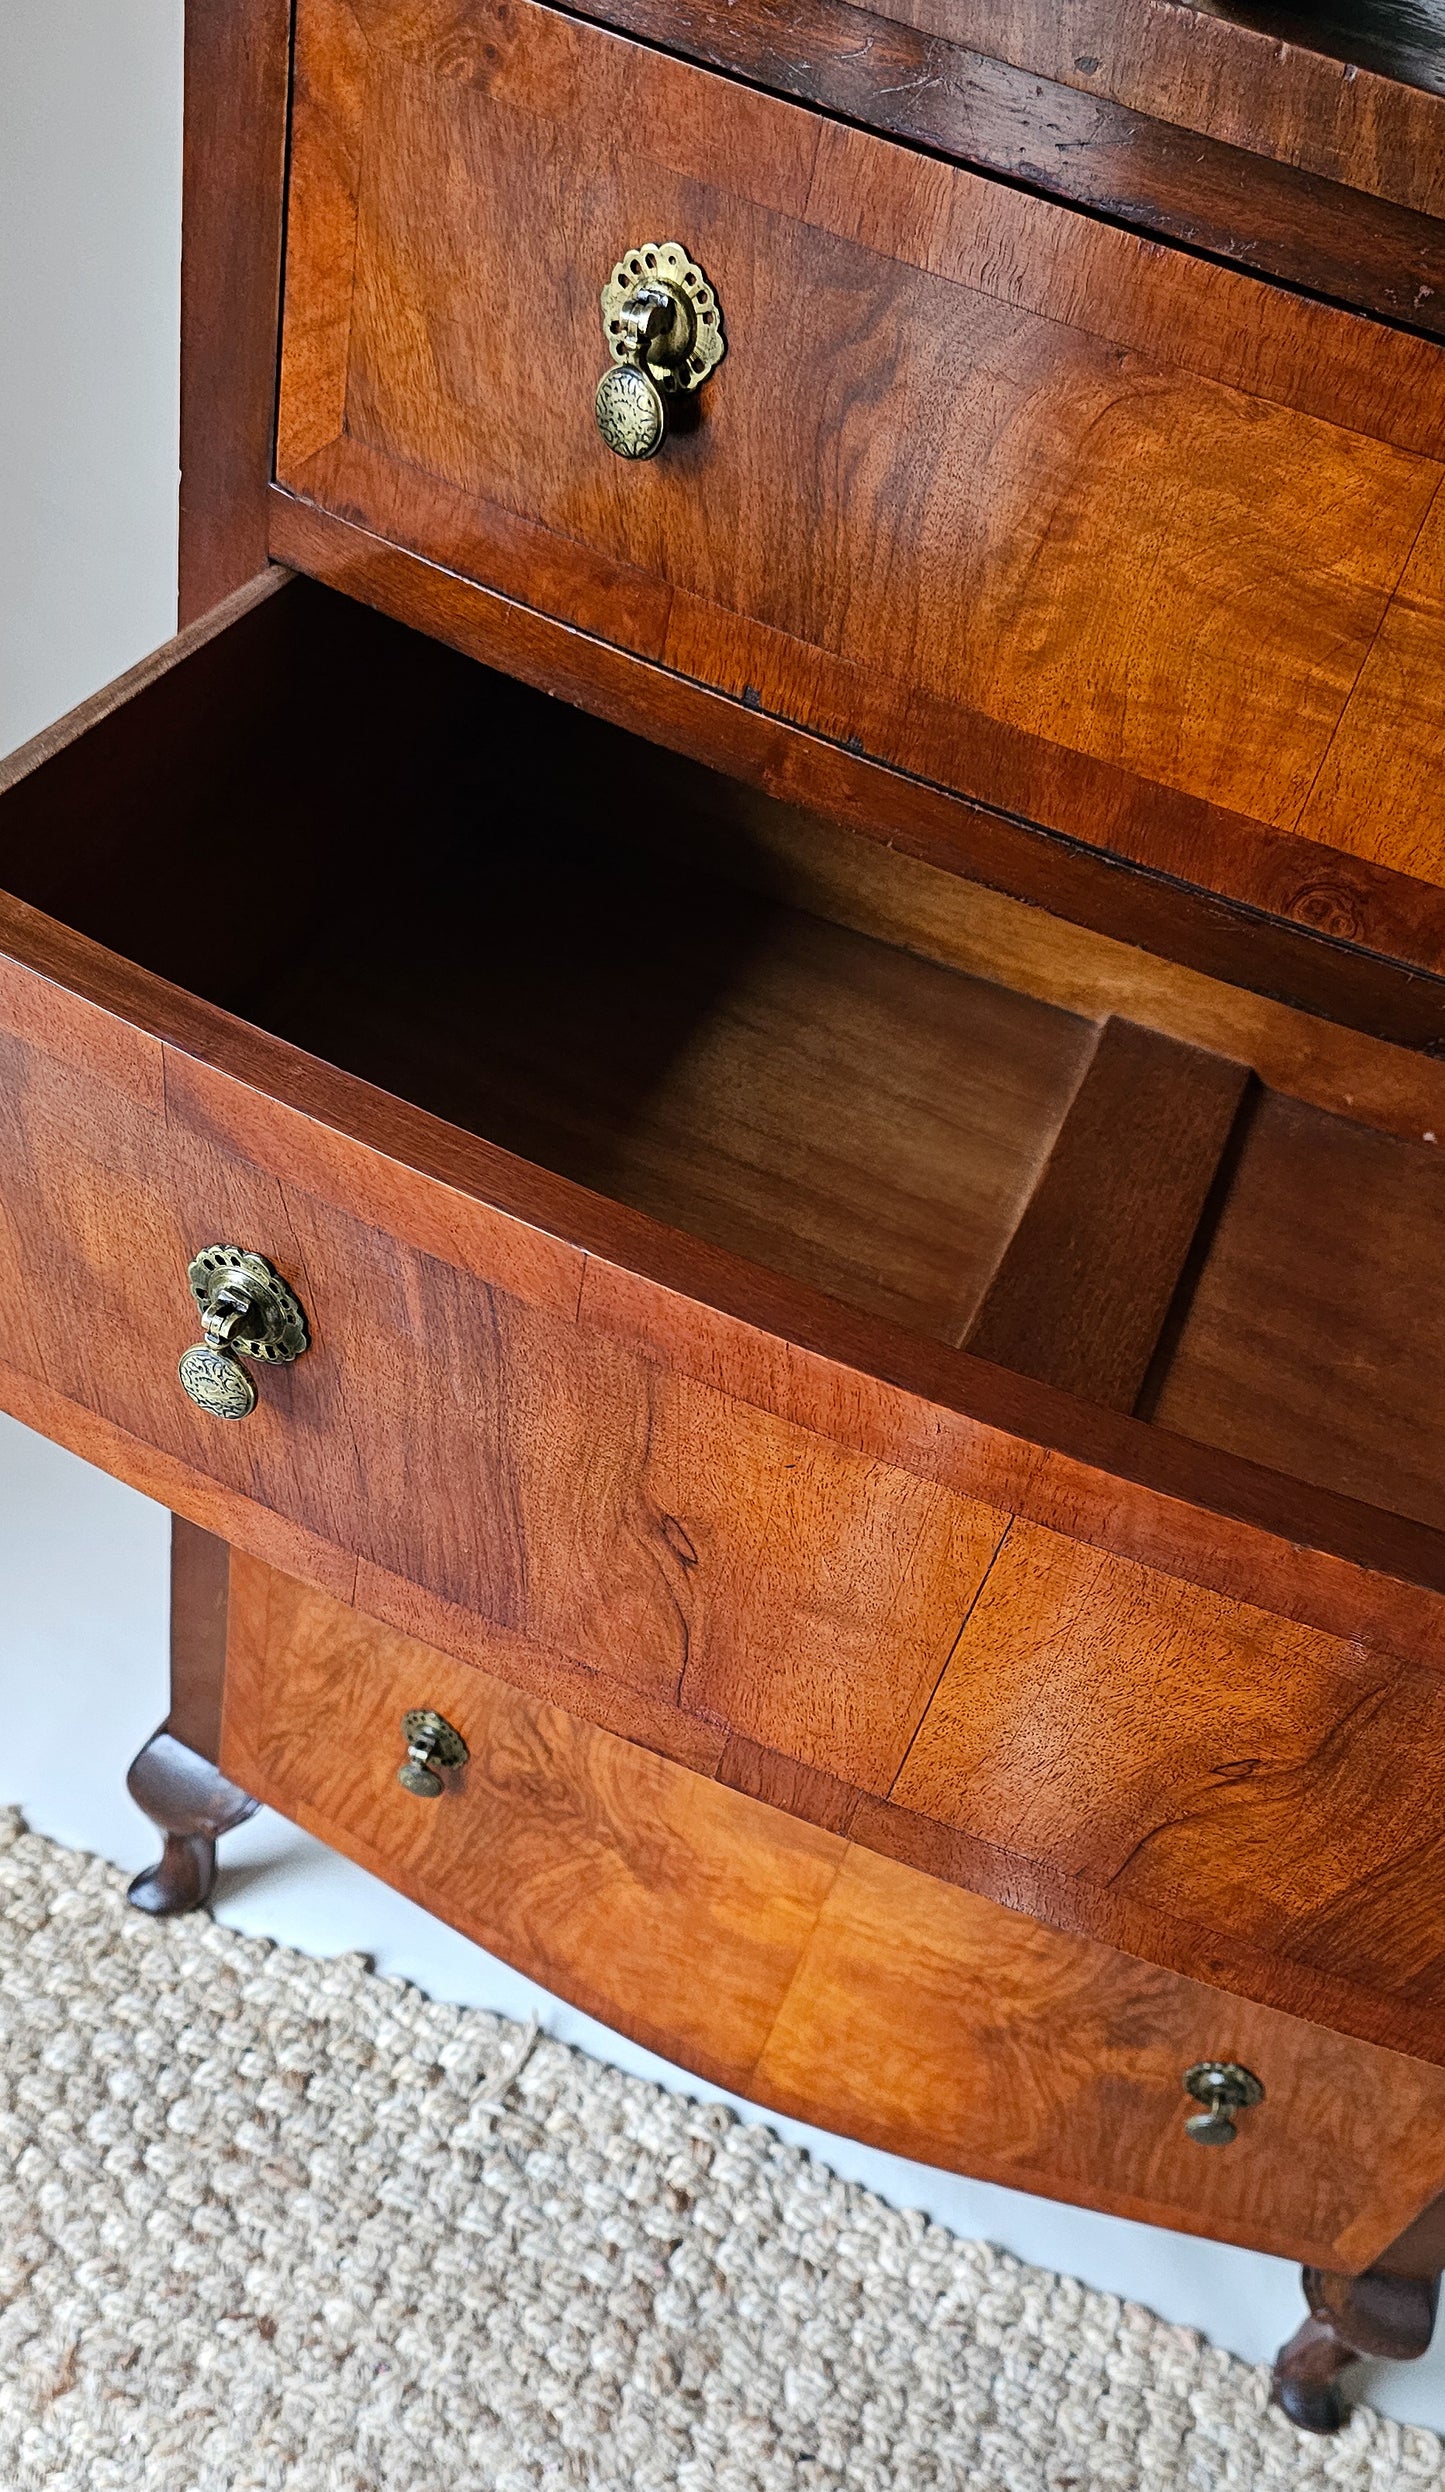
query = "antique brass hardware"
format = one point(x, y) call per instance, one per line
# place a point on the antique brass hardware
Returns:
point(663, 326)
point(430, 1742)
point(247, 1311)
point(1223, 2087)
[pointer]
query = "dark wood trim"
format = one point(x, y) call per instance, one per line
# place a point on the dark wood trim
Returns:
point(192, 1804)
point(1268, 77)
point(237, 72)
point(1377, 992)
point(1319, 236)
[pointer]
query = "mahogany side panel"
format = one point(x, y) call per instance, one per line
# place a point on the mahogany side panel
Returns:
point(840, 1987)
point(200, 1592)
point(799, 858)
point(237, 69)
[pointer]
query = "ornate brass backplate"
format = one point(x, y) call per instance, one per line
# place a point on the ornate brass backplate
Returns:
point(1223, 2087)
point(430, 1742)
point(663, 327)
point(247, 1311)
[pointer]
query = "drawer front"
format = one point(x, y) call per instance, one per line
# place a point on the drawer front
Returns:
point(475, 1450)
point(1056, 518)
point(462, 1435)
point(841, 1988)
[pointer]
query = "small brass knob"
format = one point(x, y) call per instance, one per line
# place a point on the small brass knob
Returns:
point(663, 326)
point(430, 1742)
point(247, 1311)
point(1223, 2087)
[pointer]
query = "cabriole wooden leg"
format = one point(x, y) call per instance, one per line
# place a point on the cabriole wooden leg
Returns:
point(192, 1803)
point(175, 1779)
point(1385, 2317)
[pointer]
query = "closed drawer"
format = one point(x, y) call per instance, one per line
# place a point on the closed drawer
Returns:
point(838, 1987)
point(1097, 532)
point(741, 1269)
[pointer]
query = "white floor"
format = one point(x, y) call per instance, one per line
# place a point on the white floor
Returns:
point(82, 1683)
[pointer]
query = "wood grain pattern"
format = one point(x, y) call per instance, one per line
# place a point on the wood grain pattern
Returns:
point(1308, 954)
point(1358, 1218)
point(969, 591)
point(1326, 235)
point(1088, 1277)
point(1357, 102)
point(1206, 1759)
point(1377, 791)
point(840, 1987)
point(802, 860)
point(237, 72)
point(816, 1101)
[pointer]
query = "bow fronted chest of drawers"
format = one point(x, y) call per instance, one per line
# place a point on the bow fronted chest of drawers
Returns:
point(735, 1077)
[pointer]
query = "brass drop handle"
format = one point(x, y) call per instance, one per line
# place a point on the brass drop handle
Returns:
point(1223, 2087)
point(247, 1312)
point(663, 327)
point(430, 1742)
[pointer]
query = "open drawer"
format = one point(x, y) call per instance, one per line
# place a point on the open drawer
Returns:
point(967, 1383)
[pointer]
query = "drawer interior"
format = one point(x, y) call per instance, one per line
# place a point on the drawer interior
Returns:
point(773, 1034)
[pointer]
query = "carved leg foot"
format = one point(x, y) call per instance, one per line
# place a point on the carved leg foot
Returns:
point(1383, 2317)
point(192, 1804)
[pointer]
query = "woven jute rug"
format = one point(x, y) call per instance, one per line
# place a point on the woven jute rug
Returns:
point(272, 2222)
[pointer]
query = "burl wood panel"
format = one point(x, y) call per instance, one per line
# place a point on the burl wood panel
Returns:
point(1090, 531)
point(1378, 792)
point(1197, 1758)
point(836, 1986)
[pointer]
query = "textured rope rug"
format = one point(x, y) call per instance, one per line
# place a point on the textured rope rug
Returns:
point(270, 2222)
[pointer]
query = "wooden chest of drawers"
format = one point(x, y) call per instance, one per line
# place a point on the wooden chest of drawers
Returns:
point(862, 1192)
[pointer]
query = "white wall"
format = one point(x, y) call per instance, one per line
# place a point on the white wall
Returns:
point(89, 273)
point(89, 232)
